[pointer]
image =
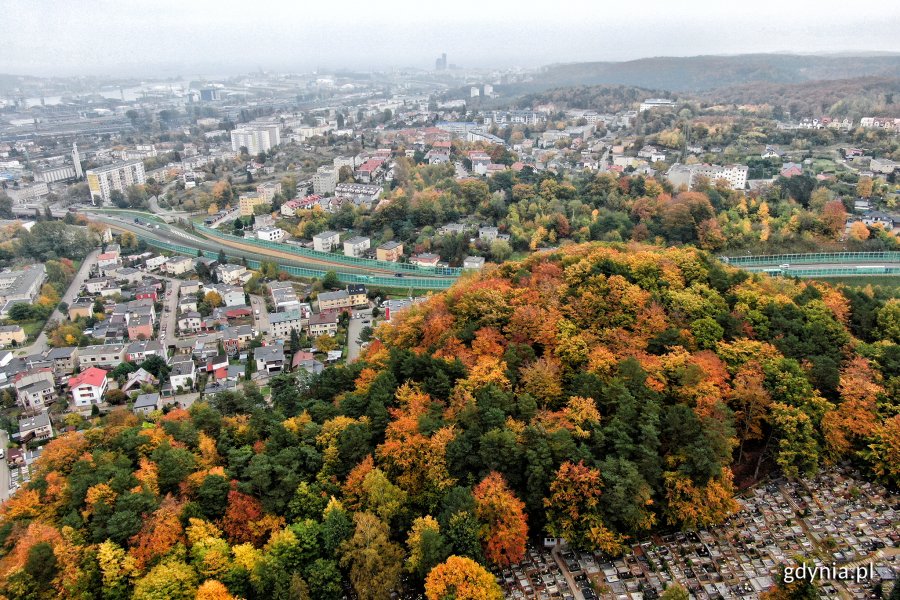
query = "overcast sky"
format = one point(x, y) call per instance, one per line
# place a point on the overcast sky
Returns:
point(188, 37)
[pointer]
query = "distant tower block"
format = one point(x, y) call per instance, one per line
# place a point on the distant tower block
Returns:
point(76, 159)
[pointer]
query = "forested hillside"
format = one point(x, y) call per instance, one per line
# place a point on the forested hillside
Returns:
point(696, 73)
point(596, 392)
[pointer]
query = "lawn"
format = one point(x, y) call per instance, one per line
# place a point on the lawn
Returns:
point(33, 328)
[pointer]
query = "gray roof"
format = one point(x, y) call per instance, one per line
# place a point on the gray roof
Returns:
point(146, 400)
point(42, 419)
point(328, 296)
point(290, 315)
point(268, 353)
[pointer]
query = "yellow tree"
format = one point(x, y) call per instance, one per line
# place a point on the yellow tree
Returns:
point(573, 509)
point(460, 578)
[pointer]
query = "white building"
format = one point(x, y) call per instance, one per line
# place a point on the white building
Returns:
point(89, 386)
point(325, 180)
point(357, 246)
point(116, 177)
point(256, 138)
point(651, 103)
point(735, 175)
point(326, 241)
point(271, 234)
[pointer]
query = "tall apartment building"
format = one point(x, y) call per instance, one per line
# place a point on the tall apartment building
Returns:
point(247, 203)
point(118, 176)
point(735, 175)
point(325, 180)
point(256, 138)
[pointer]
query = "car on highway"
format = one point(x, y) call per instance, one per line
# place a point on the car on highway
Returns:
point(784, 266)
point(398, 274)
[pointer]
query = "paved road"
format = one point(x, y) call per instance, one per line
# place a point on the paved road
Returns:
point(354, 329)
point(40, 344)
point(169, 317)
point(4, 467)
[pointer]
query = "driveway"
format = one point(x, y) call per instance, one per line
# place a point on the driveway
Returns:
point(261, 320)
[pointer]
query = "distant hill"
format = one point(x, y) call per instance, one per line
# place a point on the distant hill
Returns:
point(852, 98)
point(699, 73)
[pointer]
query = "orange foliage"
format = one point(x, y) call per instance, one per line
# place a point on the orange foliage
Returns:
point(691, 505)
point(213, 590)
point(240, 515)
point(159, 533)
point(60, 454)
point(505, 523)
point(353, 486)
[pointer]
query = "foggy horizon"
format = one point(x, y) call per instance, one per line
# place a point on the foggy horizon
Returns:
point(103, 38)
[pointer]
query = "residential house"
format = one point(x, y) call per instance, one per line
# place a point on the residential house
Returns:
point(35, 388)
point(425, 259)
point(190, 322)
point(233, 274)
point(183, 374)
point(191, 287)
point(102, 355)
point(271, 234)
point(269, 359)
point(188, 304)
point(94, 285)
point(333, 300)
point(791, 169)
point(357, 294)
point(231, 295)
point(64, 360)
point(283, 296)
point(473, 263)
point(357, 246)
point(138, 379)
point(129, 275)
point(141, 350)
point(282, 323)
point(11, 334)
point(323, 324)
point(146, 404)
point(82, 307)
point(305, 361)
point(35, 427)
point(488, 234)
point(140, 327)
point(89, 386)
point(236, 338)
point(179, 265)
point(108, 261)
point(389, 251)
point(326, 241)
point(155, 262)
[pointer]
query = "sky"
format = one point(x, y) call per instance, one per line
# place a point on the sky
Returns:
point(188, 37)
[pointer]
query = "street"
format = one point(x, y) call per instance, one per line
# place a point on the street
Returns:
point(40, 344)
point(4, 468)
point(169, 317)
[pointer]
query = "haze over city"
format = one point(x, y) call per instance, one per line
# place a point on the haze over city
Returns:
point(168, 37)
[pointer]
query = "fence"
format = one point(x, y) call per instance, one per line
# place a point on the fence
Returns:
point(350, 261)
point(814, 258)
point(427, 283)
point(831, 271)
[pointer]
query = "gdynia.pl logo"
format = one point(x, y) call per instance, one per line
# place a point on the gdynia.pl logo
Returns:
point(834, 572)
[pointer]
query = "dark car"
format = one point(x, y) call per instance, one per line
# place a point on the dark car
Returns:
point(398, 274)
